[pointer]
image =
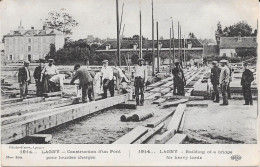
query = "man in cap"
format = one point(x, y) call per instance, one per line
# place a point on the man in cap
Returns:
point(37, 77)
point(85, 82)
point(224, 80)
point(214, 78)
point(247, 78)
point(107, 79)
point(48, 71)
point(230, 79)
point(24, 79)
point(141, 77)
point(178, 79)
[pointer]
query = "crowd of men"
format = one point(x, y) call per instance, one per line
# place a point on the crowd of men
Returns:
point(48, 79)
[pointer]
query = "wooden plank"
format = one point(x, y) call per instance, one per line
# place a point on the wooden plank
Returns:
point(173, 125)
point(158, 120)
point(24, 102)
point(132, 136)
point(197, 105)
point(15, 131)
point(40, 138)
point(176, 118)
point(35, 107)
point(151, 132)
point(8, 101)
point(51, 94)
point(125, 106)
point(177, 139)
point(200, 89)
point(182, 123)
point(174, 103)
point(159, 101)
point(191, 98)
point(153, 96)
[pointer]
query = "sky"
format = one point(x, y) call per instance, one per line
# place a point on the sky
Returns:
point(98, 17)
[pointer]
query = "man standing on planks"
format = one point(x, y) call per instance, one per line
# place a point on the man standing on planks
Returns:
point(85, 82)
point(48, 71)
point(141, 77)
point(224, 80)
point(107, 79)
point(178, 80)
point(214, 78)
point(37, 77)
point(24, 79)
point(247, 78)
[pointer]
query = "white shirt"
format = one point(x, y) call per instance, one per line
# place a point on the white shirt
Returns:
point(141, 71)
point(58, 79)
point(224, 75)
point(50, 70)
point(107, 73)
point(27, 72)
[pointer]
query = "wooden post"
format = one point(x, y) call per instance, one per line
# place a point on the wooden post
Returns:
point(173, 43)
point(118, 35)
point(178, 40)
point(140, 37)
point(170, 44)
point(158, 64)
point(153, 40)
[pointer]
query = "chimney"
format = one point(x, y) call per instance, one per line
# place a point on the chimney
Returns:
point(107, 47)
point(43, 27)
point(189, 45)
point(32, 28)
point(239, 37)
point(134, 46)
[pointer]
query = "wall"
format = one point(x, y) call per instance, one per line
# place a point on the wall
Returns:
point(228, 52)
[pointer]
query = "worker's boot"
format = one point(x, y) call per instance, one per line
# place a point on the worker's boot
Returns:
point(246, 102)
point(251, 102)
point(217, 99)
point(213, 96)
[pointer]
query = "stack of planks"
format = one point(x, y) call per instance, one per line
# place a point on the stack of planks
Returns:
point(27, 118)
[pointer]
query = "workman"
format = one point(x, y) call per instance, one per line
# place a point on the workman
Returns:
point(141, 76)
point(214, 78)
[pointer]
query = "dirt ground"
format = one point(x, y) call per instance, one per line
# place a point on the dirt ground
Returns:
point(103, 127)
point(232, 124)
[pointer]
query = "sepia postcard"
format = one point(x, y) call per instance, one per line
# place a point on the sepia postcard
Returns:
point(129, 82)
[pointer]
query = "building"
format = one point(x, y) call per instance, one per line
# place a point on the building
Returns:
point(31, 44)
point(128, 47)
point(231, 46)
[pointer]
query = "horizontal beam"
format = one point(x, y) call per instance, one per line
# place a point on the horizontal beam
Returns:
point(24, 102)
point(177, 139)
point(15, 131)
point(132, 136)
point(158, 120)
point(174, 103)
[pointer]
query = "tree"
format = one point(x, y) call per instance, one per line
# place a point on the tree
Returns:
point(191, 35)
point(148, 57)
point(218, 32)
point(240, 28)
point(51, 54)
point(62, 22)
point(134, 58)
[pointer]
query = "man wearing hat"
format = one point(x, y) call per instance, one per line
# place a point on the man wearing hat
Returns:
point(107, 79)
point(247, 78)
point(37, 77)
point(224, 80)
point(24, 79)
point(141, 77)
point(48, 71)
point(214, 78)
point(178, 79)
point(85, 82)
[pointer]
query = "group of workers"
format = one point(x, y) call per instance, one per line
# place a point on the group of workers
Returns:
point(47, 79)
point(223, 76)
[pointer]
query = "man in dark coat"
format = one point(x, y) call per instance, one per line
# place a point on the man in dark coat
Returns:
point(178, 80)
point(85, 82)
point(37, 77)
point(24, 79)
point(247, 78)
point(214, 77)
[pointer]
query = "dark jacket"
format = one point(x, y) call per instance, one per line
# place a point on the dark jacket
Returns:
point(37, 72)
point(83, 75)
point(247, 77)
point(22, 75)
point(214, 76)
point(178, 76)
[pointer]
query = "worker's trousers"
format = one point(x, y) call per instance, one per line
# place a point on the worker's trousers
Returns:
point(139, 89)
point(224, 93)
point(247, 94)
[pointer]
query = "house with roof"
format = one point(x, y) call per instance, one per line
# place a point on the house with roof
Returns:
point(31, 44)
point(128, 47)
point(230, 46)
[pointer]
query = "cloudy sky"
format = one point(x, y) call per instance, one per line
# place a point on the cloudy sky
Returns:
point(98, 17)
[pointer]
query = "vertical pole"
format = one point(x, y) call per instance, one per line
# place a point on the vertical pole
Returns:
point(140, 36)
point(153, 40)
point(178, 40)
point(170, 45)
point(173, 43)
point(181, 48)
point(118, 35)
point(184, 46)
point(158, 64)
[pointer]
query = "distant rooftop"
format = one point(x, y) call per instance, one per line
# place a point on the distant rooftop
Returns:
point(234, 42)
